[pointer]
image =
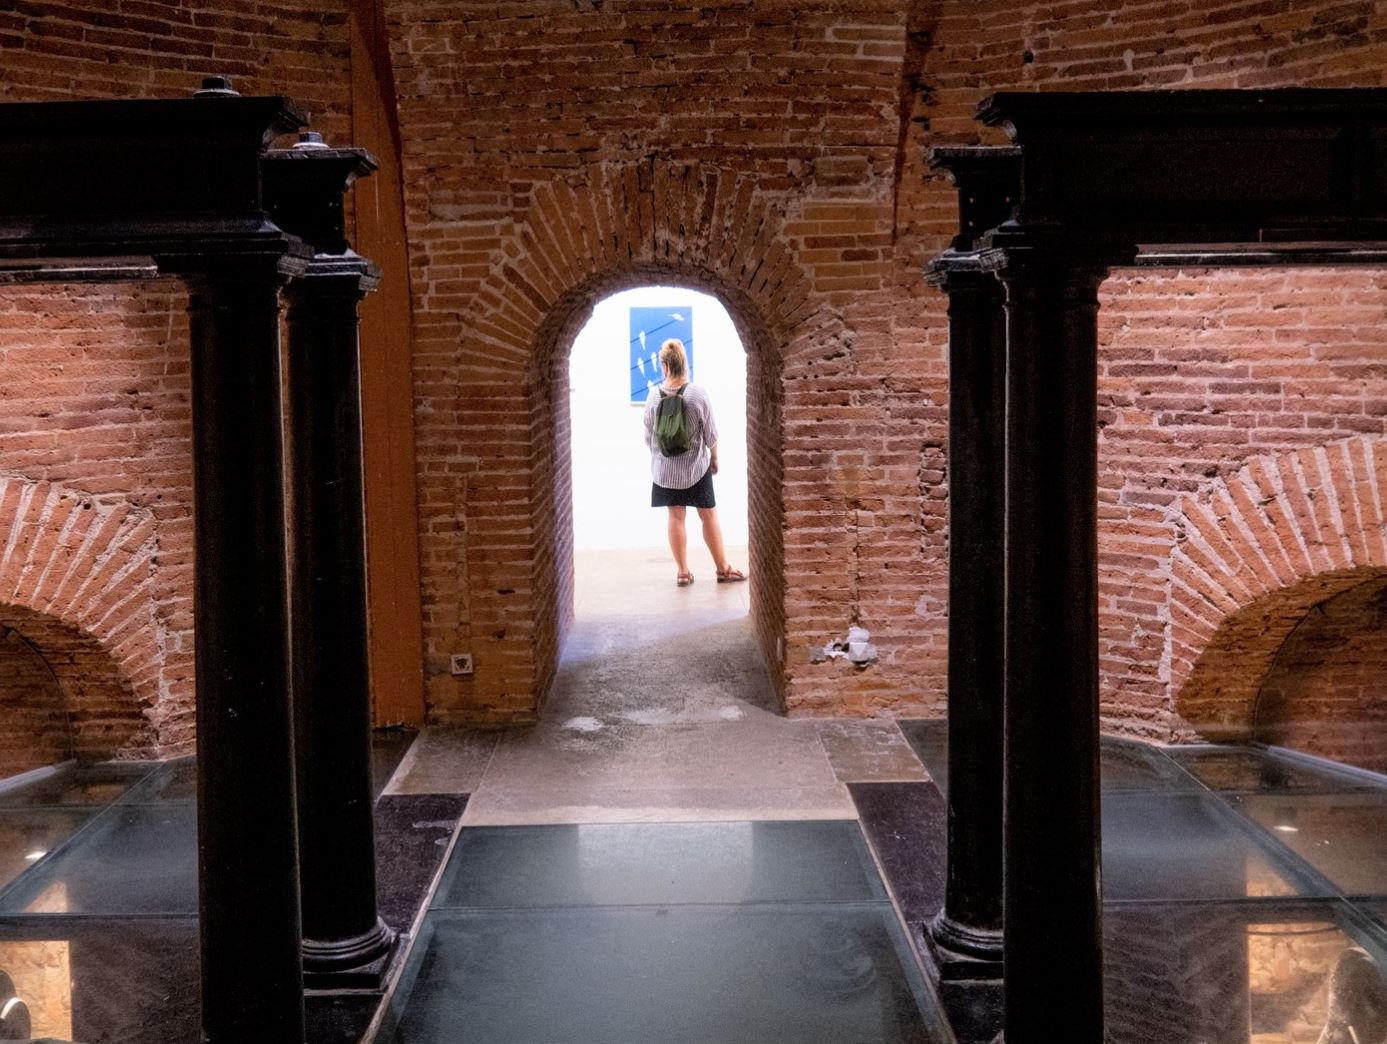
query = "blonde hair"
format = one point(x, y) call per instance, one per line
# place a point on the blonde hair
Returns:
point(672, 357)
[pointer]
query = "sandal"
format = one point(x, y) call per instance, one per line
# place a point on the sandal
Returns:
point(683, 579)
point(730, 576)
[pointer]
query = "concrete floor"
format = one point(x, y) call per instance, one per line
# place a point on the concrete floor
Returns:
point(662, 711)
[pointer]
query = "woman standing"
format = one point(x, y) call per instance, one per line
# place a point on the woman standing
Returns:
point(685, 479)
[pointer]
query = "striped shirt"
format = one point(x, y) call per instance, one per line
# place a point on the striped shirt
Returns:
point(685, 470)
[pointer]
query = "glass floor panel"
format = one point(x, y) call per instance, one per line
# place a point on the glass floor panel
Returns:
point(1127, 765)
point(631, 864)
point(682, 932)
point(1343, 836)
point(106, 981)
point(1182, 846)
point(1253, 770)
point(1123, 764)
point(135, 859)
point(1225, 974)
point(90, 785)
point(27, 835)
point(174, 781)
point(1377, 910)
point(836, 974)
point(929, 738)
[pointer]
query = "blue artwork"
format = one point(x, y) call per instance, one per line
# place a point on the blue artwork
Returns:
point(650, 328)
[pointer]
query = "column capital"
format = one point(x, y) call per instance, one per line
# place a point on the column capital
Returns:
point(198, 272)
point(956, 270)
point(345, 274)
point(1021, 254)
point(1045, 264)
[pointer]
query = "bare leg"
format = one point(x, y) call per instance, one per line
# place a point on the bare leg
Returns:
point(678, 540)
point(712, 536)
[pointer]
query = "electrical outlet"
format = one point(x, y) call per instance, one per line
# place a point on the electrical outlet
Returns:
point(460, 663)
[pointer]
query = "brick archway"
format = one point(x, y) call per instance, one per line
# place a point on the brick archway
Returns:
point(77, 582)
point(498, 518)
point(1254, 552)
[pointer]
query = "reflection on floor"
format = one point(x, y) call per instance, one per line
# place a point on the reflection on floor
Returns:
point(664, 858)
point(1245, 901)
point(688, 932)
point(1244, 891)
point(98, 899)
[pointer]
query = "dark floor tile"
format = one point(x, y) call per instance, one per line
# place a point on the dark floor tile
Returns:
point(1214, 973)
point(627, 864)
point(133, 859)
point(412, 834)
point(906, 824)
point(101, 981)
point(1184, 846)
point(929, 738)
point(1343, 836)
point(838, 973)
point(339, 1018)
point(976, 1009)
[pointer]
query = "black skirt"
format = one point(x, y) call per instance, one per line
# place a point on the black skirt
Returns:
point(699, 495)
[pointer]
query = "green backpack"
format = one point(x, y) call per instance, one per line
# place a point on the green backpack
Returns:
point(672, 433)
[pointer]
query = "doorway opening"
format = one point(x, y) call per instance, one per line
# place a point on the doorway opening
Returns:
point(643, 650)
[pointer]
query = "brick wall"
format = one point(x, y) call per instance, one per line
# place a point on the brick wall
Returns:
point(1326, 690)
point(1200, 371)
point(34, 724)
point(554, 155)
point(772, 153)
point(94, 480)
point(553, 152)
point(94, 417)
point(1254, 552)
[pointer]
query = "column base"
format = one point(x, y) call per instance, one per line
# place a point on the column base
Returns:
point(358, 963)
point(961, 952)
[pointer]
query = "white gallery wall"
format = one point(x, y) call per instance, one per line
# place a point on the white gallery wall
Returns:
point(611, 465)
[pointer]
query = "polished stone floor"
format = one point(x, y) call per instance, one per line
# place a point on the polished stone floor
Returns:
point(662, 712)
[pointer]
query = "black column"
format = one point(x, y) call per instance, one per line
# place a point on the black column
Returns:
point(1053, 947)
point(247, 843)
point(967, 933)
point(345, 940)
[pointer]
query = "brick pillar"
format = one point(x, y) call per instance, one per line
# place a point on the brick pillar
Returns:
point(967, 933)
point(1053, 945)
point(248, 887)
